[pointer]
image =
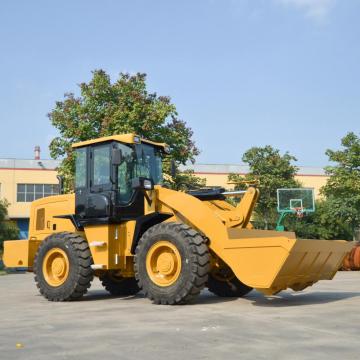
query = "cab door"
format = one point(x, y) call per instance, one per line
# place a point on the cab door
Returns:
point(99, 200)
point(82, 181)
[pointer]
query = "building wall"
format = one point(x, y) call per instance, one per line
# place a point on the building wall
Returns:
point(22, 171)
point(23, 225)
point(9, 178)
point(312, 181)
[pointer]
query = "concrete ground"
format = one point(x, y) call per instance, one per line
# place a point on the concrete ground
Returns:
point(322, 322)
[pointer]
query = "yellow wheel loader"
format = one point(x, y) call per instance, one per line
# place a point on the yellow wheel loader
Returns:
point(123, 226)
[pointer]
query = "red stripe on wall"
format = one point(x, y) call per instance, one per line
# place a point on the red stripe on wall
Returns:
point(30, 169)
point(218, 173)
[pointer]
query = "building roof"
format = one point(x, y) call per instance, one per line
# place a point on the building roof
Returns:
point(29, 164)
point(244, 169)
point(124, 138)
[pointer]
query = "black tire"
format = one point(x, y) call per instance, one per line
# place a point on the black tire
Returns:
point(118, 285)
point(195, 263)
point(224, 283)
point(80, 273)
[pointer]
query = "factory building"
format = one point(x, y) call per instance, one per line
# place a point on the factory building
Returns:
point(217, 175)
point(25, 180)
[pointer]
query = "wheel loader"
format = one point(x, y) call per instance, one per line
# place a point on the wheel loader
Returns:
point(123, 225)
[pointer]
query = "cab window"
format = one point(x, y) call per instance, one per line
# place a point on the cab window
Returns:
point(148, 163)
point(125, 174)
point(101, 172)
point(80, 166)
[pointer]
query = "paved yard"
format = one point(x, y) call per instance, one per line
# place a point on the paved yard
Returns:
point(322, 322)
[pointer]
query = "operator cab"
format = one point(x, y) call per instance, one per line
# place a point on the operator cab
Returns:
point(112, 175)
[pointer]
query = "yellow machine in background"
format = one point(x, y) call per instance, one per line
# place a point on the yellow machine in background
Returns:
point(125, 227)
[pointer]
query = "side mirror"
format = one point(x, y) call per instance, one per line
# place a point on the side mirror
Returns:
point(116, 157)
point(141, 183)
point(173, 169)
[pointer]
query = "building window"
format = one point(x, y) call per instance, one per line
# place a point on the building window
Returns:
point(31, 192)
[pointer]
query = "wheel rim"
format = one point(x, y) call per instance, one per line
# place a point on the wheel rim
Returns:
point(163, 263)
point(56, 267)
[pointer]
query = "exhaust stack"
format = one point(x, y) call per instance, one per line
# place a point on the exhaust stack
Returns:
point(37, 152)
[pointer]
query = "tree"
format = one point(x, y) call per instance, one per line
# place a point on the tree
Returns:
point(104, 108)
point(342, 190)
point(321, 224)
point(186, 180)
point(273, 171)
point(8, 231)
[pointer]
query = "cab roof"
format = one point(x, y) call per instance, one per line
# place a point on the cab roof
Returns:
point(123, 138)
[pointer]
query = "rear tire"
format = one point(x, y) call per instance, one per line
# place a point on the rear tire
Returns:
point(118, 285)
point(62, 267)
point(172, 263)
point(224, 283)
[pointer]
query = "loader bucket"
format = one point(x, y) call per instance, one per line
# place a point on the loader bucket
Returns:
point(271, 261)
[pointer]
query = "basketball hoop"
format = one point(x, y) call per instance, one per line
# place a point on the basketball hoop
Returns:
point(295, 201)
point(299, 211)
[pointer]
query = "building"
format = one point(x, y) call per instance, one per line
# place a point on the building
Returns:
point(217, 175)
point(22, 181)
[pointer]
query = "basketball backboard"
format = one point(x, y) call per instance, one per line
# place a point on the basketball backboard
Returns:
point(293, 200)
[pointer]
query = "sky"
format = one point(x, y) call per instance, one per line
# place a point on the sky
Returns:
point(241, 73)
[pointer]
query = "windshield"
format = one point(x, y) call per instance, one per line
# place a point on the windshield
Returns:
point(148, 163)
point(139, 161)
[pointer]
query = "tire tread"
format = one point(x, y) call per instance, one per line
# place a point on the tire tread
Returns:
point(200, 268)
point(84, 273)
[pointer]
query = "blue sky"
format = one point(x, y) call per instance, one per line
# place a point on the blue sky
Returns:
point(242, 73)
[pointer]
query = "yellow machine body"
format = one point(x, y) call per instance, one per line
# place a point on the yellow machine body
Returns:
point(269, 261)
point(21, 253)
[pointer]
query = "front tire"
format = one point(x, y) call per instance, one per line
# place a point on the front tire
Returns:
point(172, 263)
point(62, 267)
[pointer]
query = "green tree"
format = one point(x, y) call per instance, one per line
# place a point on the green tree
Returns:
point(321, 224)
point(104, 108)
point(8, 231)
point(273, 171)
point(186, 180)
point(342, 190)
